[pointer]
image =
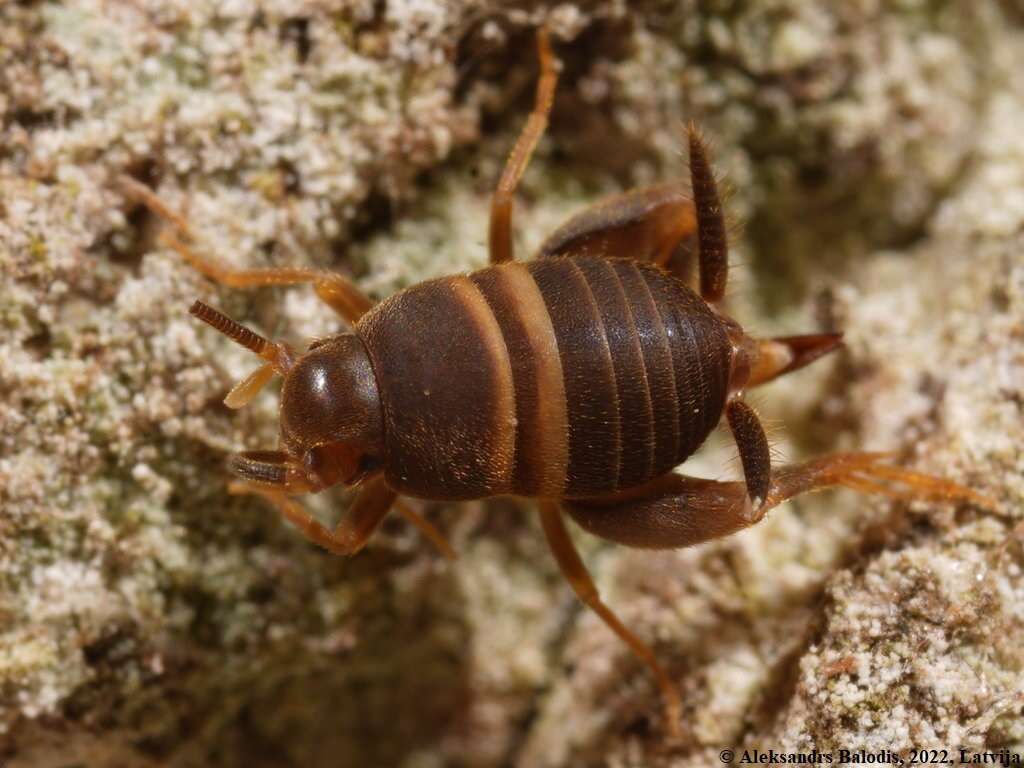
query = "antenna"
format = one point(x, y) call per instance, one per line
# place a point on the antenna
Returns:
point(234, 331)
point(276, 354)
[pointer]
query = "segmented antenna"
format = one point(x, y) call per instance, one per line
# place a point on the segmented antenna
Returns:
point(234, 331)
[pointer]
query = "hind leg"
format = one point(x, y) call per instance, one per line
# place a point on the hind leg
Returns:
point(656, 224)
point(712, 241)
point(335, 291)
point(676, 511)
point(660, 224)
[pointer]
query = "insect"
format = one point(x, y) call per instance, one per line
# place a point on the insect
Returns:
point(580, 379)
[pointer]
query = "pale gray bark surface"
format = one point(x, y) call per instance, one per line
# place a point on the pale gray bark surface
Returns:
point(876, 158)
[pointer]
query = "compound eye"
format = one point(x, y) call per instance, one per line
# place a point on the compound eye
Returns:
point(368, 464)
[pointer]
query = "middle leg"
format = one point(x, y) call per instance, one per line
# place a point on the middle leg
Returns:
point(582, 584)
point(335, 291)
point(500, 235)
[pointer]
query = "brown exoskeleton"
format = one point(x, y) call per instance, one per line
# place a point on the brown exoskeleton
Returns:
point(580, 379)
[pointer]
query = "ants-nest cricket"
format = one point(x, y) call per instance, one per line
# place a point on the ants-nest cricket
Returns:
point(581, 379)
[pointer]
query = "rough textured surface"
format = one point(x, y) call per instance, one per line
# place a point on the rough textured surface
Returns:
point(147, 617)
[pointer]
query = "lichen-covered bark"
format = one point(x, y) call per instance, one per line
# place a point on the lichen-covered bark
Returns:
point(149, 618)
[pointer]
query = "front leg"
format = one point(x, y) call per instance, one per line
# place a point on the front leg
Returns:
point(363, 517)
point(267, 474)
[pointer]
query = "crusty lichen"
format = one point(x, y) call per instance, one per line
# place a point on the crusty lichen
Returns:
point(147, 617)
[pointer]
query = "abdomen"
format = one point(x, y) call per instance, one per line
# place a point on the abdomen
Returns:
point(566, 377)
